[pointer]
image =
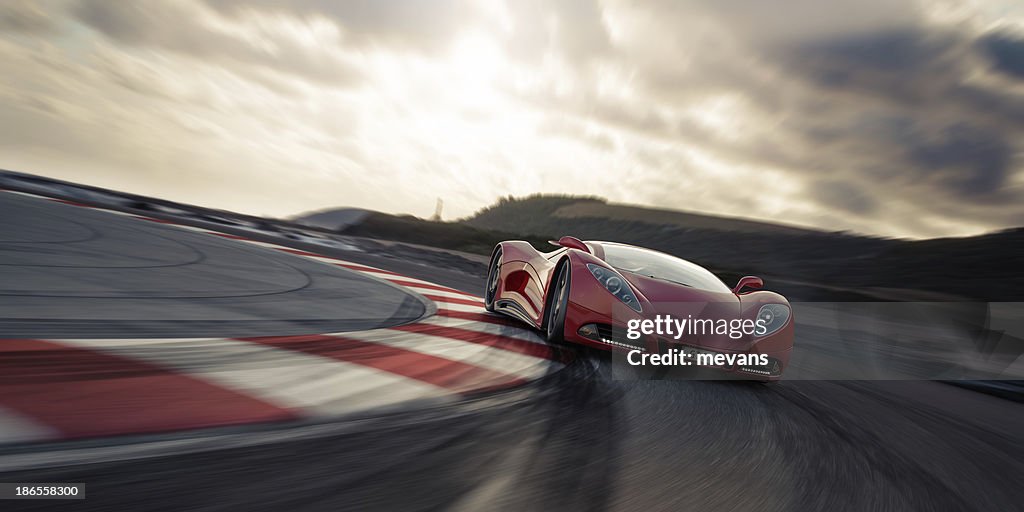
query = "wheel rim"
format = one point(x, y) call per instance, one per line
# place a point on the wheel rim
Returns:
point(492, 282)
point(556, 308)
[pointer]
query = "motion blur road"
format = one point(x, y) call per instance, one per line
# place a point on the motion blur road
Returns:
point(580, 440)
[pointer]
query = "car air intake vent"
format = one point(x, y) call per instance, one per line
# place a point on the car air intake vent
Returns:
point(772, 369)
point(618, 338)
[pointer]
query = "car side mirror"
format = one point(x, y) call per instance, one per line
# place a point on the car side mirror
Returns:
point(748, 282)
point(570, 242)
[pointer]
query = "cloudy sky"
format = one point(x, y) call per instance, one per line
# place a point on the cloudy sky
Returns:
point(878, 116)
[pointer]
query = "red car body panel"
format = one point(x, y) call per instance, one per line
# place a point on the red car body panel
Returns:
point(525, 276)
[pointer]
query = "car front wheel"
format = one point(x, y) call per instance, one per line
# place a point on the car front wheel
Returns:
point(493, 275)
point(555, 330)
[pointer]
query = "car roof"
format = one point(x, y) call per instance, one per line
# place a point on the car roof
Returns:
point(620, 244)
point(631, 246)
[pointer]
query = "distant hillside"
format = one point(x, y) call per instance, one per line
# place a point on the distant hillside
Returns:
point(334, 219)
point(544, 213)
point(447, 235)
point(983, 267)
point(802, 263)
point(711, 241)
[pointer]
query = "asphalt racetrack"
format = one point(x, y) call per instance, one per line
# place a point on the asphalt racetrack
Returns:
point(69, 271)
point(569, 438)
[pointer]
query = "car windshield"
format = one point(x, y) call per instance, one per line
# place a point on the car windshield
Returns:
point(661, 266)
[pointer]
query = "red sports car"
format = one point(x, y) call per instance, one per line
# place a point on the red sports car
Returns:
point(600, 294)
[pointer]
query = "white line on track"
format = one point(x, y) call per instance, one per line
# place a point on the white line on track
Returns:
point(462, 307)
point(449, 295)
point(510, 331)
point(16, 428)
point(483, 356)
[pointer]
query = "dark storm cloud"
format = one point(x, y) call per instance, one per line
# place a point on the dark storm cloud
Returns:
point(973, 162)
point(844, 197)
point(882, 63)
point(1006, 52)
point(893, 108)
point(933, 127)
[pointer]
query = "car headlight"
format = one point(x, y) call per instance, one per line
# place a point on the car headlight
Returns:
point(615, 284)
point(773, 317)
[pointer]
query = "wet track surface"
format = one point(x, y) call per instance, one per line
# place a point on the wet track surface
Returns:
point(580, 440)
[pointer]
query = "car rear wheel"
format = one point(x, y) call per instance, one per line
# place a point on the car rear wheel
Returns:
point(555, 330)
point(493, 275)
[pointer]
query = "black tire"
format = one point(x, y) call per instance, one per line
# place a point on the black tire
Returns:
point(555, 324)
point(491, 285)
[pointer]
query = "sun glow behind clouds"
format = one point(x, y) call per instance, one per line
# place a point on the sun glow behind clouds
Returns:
point(720, 114)
point(276, 108)
point(475, 63)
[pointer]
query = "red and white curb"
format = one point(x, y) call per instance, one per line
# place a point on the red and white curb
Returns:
point(62, 389)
